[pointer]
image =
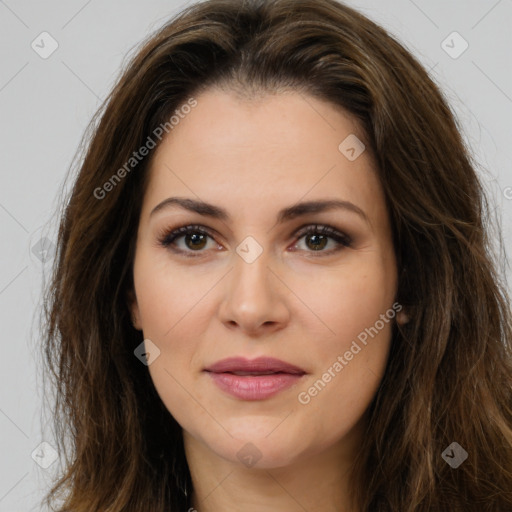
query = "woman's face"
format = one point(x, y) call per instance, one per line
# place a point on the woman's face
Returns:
point(256, 285)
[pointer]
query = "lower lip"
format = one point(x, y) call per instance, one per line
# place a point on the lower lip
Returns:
point(254, 387)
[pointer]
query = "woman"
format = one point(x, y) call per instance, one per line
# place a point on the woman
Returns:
point(274, 288)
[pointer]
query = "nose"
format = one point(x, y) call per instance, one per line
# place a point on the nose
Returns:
point(255, 298)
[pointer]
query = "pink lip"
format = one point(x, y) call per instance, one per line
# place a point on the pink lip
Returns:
point(271, 377)
point(260, 364)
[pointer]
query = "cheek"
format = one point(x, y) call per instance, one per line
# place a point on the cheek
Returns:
point(349, 368)
point(166, 296)
point(346, 301)
point(169, 303)
point(355, 308)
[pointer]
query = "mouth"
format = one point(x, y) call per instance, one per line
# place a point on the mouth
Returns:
point(259, 366)
point(258, 379)
point(245, 374)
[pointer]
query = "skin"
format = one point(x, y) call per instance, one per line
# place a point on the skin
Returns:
point(302, 306)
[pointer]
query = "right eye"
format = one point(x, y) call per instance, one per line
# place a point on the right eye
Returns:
point(195, 238)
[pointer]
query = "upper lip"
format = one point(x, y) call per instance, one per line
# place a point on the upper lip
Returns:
point(260, 365)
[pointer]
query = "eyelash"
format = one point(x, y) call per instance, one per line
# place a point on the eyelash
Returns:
point(167, 238)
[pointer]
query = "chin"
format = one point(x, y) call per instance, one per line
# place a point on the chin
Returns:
point(255, 451)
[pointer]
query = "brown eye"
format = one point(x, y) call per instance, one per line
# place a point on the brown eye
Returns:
point(318, 242)
point(195, 239)
point(316, 238)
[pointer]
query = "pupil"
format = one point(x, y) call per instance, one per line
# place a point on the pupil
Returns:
point(195, 238)
point(316, 244)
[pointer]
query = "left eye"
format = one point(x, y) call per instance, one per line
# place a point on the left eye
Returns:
point(317, 237)
point(195, 238)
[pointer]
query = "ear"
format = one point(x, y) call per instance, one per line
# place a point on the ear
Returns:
point(402, 317)
point(133, 308)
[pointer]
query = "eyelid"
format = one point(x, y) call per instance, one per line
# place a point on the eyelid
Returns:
point(173, 233)
point(167, 236)
point(323, 229)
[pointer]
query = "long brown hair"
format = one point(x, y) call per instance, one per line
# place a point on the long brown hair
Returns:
point(449, 373)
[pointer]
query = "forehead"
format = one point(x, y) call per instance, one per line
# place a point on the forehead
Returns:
point(263, 153)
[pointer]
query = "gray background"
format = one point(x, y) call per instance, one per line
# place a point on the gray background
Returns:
point(46, 104)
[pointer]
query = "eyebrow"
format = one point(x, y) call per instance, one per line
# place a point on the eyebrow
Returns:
point(286, 214)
